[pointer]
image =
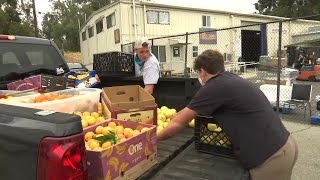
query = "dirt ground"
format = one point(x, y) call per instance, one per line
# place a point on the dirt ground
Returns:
point(72, 56)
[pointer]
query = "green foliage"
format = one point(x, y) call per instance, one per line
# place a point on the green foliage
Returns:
point(289, 8)
point(11, 21)
point(64, 21)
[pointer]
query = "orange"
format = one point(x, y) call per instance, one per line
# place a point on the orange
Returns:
point(95, 115)
point(91, 141)
point(120, 136)
point(112, 125)
point(100, 119)
point(94, 145)
point(86, 114)
point(129, 135)
point(99, 130)
point(118, 130)
point(91, 120)
point(128, 132)
point(106, 145)
point(54, 94)
point(144, 129)
point(88, 136)
point(135, 132)
point(123, 139)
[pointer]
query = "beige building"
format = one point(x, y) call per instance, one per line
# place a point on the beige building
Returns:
point(122, 21)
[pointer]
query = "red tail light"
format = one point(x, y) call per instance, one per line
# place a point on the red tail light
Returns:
point(62, 158)
point(5, 37)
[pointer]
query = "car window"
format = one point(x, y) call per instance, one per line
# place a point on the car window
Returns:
point(35, 57)
point(75, 65)
point(20, 58)
point(10, 57)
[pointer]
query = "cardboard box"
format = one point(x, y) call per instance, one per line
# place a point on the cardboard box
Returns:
point(129, 103)
point(127, 97)
point(50, 83)
point(126, 160)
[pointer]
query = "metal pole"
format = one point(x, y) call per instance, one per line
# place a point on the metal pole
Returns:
point(186, 55)
point(151, 43)
point(35, 21)
point(279, 64)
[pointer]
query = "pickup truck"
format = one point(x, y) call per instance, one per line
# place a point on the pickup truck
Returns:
point(44, 146)
point(21, 57)
point(37, 145)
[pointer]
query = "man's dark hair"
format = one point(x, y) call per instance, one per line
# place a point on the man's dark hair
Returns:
point(210, 61)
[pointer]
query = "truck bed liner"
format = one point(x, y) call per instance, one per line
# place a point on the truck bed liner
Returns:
point(190, 164)
point(169, 149)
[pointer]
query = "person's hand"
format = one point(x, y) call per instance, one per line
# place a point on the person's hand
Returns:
point(177, 123)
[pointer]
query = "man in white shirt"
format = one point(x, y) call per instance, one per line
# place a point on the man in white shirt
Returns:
point(146, 64)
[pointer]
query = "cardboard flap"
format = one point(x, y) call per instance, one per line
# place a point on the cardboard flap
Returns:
point(127, 97)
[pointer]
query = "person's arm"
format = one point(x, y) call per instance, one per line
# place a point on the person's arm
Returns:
point(149, 88)
point(205, 103)
point(178, 123)
point(150, 78)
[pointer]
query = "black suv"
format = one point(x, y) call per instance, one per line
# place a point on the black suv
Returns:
point(21, 57)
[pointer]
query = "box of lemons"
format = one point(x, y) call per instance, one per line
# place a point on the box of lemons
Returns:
point(210, 138)
point(116, 146)
point(164, 116)
point(91, 118)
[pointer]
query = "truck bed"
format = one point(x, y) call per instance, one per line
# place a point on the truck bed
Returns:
point(178, 159)
point(168, 150)
point(190, 164)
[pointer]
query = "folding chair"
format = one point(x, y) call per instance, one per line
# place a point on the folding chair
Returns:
point(301, 95)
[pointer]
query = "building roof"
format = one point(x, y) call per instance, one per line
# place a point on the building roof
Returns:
point(168, 6)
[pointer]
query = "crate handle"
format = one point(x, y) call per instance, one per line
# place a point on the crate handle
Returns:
point(120, 93)
point(135, 115)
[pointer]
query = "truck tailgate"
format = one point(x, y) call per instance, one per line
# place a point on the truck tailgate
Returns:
point(20, 134)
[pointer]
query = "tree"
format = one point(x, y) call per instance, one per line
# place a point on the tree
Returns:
point(11, 22)
point(62, 25)
point(288, 8)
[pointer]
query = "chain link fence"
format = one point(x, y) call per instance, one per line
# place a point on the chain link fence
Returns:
point(279, 57)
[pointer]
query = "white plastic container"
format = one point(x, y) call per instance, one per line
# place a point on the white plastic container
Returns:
point(84, 99)
point(18, 95)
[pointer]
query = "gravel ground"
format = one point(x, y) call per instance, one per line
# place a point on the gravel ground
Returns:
point(308, 139)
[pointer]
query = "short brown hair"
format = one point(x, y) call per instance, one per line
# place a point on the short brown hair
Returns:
point(210, 61)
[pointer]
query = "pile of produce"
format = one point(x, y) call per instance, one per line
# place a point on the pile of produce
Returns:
point(106, 136)
point(89, 119)
point(165, 115)
point(80, 76)
point(49, 97)
point(6, 97)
